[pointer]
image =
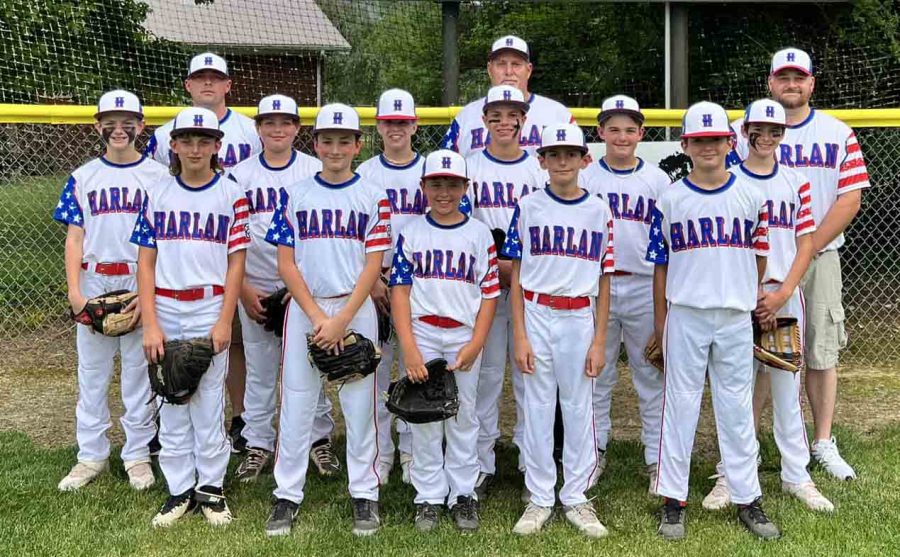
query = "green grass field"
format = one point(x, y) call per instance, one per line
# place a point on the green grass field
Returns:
point(108, 518)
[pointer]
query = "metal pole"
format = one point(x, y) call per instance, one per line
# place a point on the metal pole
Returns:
point(679, 55)
point(668, 63)
point(450, 19)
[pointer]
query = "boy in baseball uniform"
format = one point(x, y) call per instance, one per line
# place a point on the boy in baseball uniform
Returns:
point(709, 241)
point(501, 175)
point(791, 224)
point(98, 206)
point(262, 178)
point(561, 243)
point(398, 170)
point(630, 187)
point(192, 233)
point(331, 231)
point(445, 289)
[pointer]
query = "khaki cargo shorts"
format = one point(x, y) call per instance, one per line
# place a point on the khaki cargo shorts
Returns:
point(825, 333)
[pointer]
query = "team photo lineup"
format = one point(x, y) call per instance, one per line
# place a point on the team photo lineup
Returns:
point(221, 261)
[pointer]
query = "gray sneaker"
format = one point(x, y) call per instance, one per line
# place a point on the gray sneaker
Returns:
point(753, 517)
point(282, 518)
point(322, 456)
point(427, 517)
point(465, 514)
point(253, 465)
point(483, 485)
point(366, 520)
point(671, 523)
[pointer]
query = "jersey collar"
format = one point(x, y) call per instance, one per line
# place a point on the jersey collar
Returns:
point(329, 185)
point(558, 199)
point(388, 164)
point(267, 166)
point(108, 162)
point(436, 224)
point(226, 117)
point(721, 189)
point(205, 186)
point(492, 158)
point(807, 120)
point(604, 166)
point(752, 174)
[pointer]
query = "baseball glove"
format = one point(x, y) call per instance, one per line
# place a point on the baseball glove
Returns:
point(499, 240)
point(275, 309)
point(779, 348)
point(177, 377)
point(434, 400)
point(385, 327)
point(106, 315)
point(358, 359)
point(653, 354)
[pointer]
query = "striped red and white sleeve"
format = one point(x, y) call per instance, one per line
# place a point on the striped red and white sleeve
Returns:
point(490, 284)
point(760, 241)
point(853, 175)
point(609, 258)
point(803, 221)
point(378, 237)
point(239, 234)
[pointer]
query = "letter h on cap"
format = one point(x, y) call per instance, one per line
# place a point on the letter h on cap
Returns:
point(560, 135)
point(509, 42)
point(620, 104)
point(707, 120)
point(398, 105)
point(791, 56)
point(445, 162)
point(338, 118)
point(208, 61)
point(770, 111)
point(198, 120)
point(120, 102)
point(276, 105)
point(507, 95)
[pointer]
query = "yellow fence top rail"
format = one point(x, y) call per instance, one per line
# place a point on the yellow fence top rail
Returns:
point(428, 116)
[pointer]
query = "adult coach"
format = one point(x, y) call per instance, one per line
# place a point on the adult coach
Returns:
point(508, 64)
point(208, 83)
point(827, 152)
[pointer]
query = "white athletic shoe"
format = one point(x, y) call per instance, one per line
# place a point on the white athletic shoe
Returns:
point(825, 452)
point(405, 463)
point(584, 517)
point(175, 507)
point(82, 474)
point(653, 472)
point(213, 506)
point(810, 495)
point(720, 496)
point(532, 520)
point(140, 474)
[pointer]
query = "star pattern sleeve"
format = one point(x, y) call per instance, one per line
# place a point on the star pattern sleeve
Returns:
point(512, 247)
point(68, 210)
point(465, 206)
point(401, 270)
point(280, 232)
point(658, 248)
point(143, 234)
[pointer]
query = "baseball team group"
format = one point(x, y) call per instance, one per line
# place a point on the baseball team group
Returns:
point(509, 248)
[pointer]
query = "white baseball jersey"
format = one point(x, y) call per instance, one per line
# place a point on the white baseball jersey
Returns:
point(261, 185)
point(104, 198)
point(239, 143)
point(631, 196)
point(401, 183)
point(468, 135)
point(564, 244)
point(788, 204)
point(710, 240)
point(331, 228)
point(450, 268)
point(193, 230)
point(497, 186)
point(826, 151)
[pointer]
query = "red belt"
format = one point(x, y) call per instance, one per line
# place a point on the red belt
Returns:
point(113, 269)
point(442, 322)
point(558, 302)
point(772, 281)
point(191, 294)
point(621, 274)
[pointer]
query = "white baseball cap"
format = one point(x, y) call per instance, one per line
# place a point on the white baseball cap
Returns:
point(705, 119)
point(337, 116)
point(505, 94)
point(277, 104)
point(396, 104)
point(620, 104)
point(119, 101)
point(793, 58)
point(510, 42)
point(444, 162)
point(196, 120)
point(208, 61)
point(562, 135)
point(765, 111)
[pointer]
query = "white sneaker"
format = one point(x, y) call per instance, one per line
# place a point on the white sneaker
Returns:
point(810, 495)
point(213, 506)
point(532, 520)
point(405, 463)
point(719, 496)
point(82, 474)
point(175, 507)
point(825, 452)
point(140, 474)
point(584, 517)
point(653, 472)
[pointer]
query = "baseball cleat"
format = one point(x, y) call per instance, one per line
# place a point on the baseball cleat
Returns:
point(532, 520)
point(719, 496)
point(282, 517)
point(825, 453)
point(753, 517)
point(212, 504)
point(671, 522)
point(465, 514)
point(405, 463)
point(653, 472)
point(140, 474)
point(82, 474)
point(483, 485)
point(324, 458)
point(175, 507)
point(810, 495)
point(584, 517)
point(366, 520)
point(253, 465)
point(235, 435)
point(427, 517)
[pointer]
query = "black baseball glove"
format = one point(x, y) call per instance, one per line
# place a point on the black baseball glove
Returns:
point(434, 400)
point(177, 377)
point(275, 310)
point(106, 313)
point(499, 240)
point(358, 359)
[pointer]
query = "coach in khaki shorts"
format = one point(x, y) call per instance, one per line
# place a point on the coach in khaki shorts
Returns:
point(826, 151)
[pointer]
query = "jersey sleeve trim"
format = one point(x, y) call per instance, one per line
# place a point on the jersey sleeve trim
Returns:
point(281, 232)
point(68, 209)
point(805, 223)
point(761, 232)
point(239, 235)
point(609, 259)
point(512, 247)
point(657, 248)
point(143, 234)
point(401, 268)
point(853, 172)
point(490, 284)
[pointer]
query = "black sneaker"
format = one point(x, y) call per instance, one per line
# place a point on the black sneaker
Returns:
point(282, 518)
point(175, 507)
point(465, 514)
point(755, 519)
point(238, 441)
point(671, 524)
point(253, 464)
point(483, 485)
point(427, 517)
point(365, 517)
point(154, 445)
point(211, 503)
